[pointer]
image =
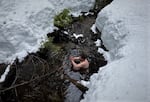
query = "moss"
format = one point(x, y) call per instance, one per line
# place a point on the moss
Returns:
point(63, 19)
point(81, 18)
point(49, 45)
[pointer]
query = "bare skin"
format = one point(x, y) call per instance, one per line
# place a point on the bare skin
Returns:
point(84, 64)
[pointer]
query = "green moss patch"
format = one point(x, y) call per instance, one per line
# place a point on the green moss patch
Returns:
point(49, 45)
point(63, 19)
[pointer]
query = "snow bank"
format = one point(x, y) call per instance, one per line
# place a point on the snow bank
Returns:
point(25, 23)
point(3, 76)
point(124, 26)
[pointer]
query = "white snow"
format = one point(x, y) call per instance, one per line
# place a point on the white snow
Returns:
point(89, 13)
point(77, 35)
point(85, 83)
point(98, 42)
point(105, 54)
point(3, 76)
point(25, 23)
point(93, 28)
point(65, 32)
point(126, 78)
point(124, 26)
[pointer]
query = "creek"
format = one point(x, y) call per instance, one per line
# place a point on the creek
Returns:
point(39, 77)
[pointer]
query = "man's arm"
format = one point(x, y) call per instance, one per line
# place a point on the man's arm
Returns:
point(74, 58)
point(78, 66)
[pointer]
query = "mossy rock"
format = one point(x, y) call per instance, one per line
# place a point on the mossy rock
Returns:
point(63, 19)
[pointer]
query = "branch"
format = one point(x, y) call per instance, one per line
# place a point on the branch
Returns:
point(27, 82)
point(76, 83)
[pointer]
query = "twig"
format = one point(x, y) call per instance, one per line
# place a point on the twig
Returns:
point(16, 75)
point(76, 83)
point(33, 68)
point(43, 62)
point(27, 82)
point(40, 60)
point(16, 93)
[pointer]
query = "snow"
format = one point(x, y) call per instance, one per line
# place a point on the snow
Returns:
point(98, 42)
point(3, 76)
point(126, 78)
point(93, 28)
point(25, 23)
point(77, 35)
point(124, 26)
point(65, 32)
point(89, 13)
point(105, 54)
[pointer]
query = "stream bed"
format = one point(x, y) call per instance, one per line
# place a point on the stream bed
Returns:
point(39, 78)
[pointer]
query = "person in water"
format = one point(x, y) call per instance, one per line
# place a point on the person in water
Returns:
point(80, 63)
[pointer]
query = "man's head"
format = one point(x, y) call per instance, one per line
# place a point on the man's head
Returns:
point(83, 55)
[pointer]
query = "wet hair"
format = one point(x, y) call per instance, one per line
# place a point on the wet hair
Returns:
point(83, 55)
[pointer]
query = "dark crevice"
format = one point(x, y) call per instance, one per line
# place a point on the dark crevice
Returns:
point(53, 87)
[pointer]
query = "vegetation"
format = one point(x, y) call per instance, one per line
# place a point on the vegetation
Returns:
point(49, 45)
point(63, 19)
